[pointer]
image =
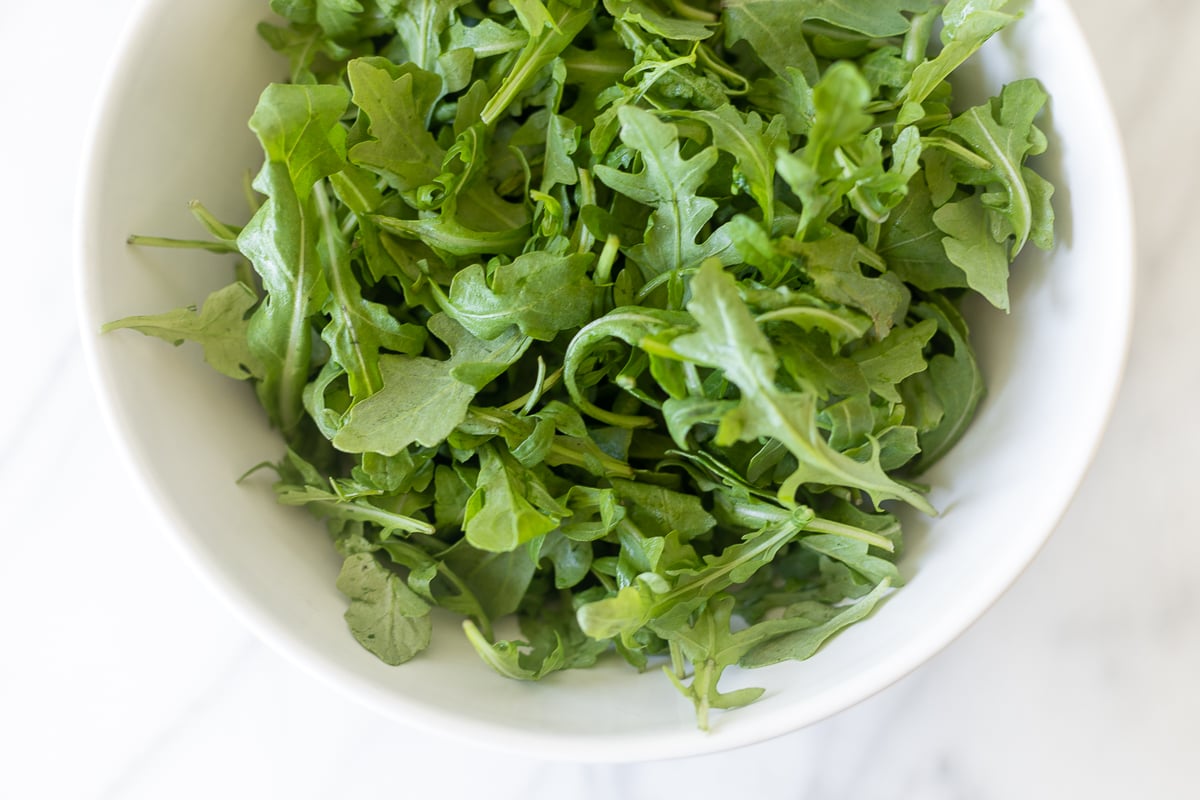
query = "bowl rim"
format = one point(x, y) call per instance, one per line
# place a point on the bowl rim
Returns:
point(594, 748)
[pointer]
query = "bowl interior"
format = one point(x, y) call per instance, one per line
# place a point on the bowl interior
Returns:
point(173, 128)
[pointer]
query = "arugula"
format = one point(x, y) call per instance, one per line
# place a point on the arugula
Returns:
point(219, 326)
point(386, 616)
point(633, 319)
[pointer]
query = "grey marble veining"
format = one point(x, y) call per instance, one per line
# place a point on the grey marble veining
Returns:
point(123, 678)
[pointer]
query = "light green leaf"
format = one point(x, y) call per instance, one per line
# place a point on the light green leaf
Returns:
point(499, 516)
point(335, 17)
point(1003, 133)
point(397, 102)
point(423, 400)
point(219, 326)
point(803, 643)
point(967, 24)
point(729, 339)
point(753, 144)
point(970, 246)
point(956, 380)
point(540, 293)
point(668, 183)
point(302, 139)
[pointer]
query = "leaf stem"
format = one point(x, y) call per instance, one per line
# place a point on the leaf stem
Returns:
point(182, 244)
point(819, 525)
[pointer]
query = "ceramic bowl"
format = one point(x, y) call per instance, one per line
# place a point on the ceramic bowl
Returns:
point(172, 127)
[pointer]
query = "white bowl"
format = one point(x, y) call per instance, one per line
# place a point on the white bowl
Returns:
point(173, 127)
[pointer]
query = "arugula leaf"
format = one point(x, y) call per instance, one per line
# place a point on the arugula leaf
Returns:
point(335, 17)
point(955, 379)
point(669, 183)
point(499, 580)
point(662, 602)
point(659, 511)
point(655, 22)
point(540, 293)
point(753, 144)
point(911, 243)
point(729, 338)
point(219, 326)
point(1003, 133)
point(551, 28)
point(419, 28)
point(396, 103)
point(970, 245)
point(302, 44)
point(967, 24)
point(422, 400)
point(835, 266)
point(803, 643)
point(775, 28)
point(385, 616)
point(499, 515)
point(357, 328)
point(303, 142)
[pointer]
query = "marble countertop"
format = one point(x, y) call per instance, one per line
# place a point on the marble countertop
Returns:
point(122, 676)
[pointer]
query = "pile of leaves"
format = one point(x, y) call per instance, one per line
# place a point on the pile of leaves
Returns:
point(624, 317)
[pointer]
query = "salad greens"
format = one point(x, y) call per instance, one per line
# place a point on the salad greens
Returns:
point(627, 317)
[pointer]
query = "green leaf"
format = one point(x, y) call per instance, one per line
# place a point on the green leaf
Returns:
point(498, 580)
point(423, 400)
point(335, 17)
point(551, 27)
point(835, 265)
point(499, 515)
point(970, 246)
point(540, 293)
point(1003, 133)
point(967, 24)
point(572, 559)
point(420, 25)
point(667, 604)
point(358, 328)
point(631, 325)
point(385, 616)
point(655, 22)
point(300, 128)
point(302, 139)
point(730, 339)
point(752, 145)
point(448, 235)
point(911, 244)
point(659, 511)
point(302, 44)
point(669, 183)
point(711, 645)
point(219, 326)
point(803, 643)
point(890, 360)
point(594, 513)
point(956, 380)
point(854, 554)
point(397, 103)
point(775, 28)
point(507, 659)
point(486, 38)
point(419, 402)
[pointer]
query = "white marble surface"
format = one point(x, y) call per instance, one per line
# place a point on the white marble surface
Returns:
point(122, 677)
